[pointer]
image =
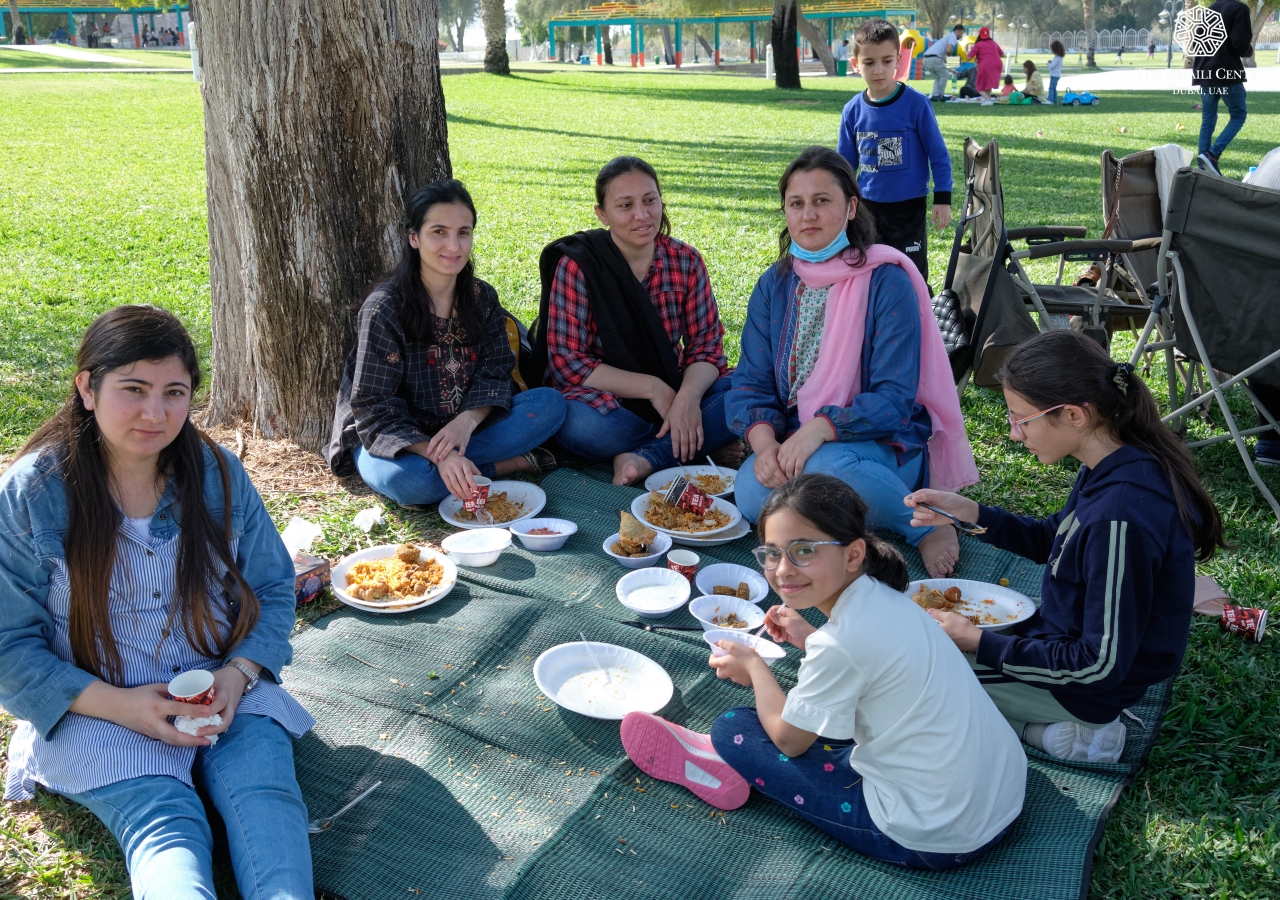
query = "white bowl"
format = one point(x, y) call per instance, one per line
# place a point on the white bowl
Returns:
point(568, 676)
point(675, 585)
point(544, 542)
point(661, 544)
point(768, 650)
point(1008, 606)
point(728, 575)
point(532, 497)
point(706, 608)
point(383, 551)
point(478, 547)
point(640, 505)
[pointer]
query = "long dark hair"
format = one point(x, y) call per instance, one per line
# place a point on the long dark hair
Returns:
point(625, 165)
point(119, 338)
point(406, 278)
point(1028, 66)
point(861, 229)
point(1057, 49)
point(1064, 366)
point(836, 508)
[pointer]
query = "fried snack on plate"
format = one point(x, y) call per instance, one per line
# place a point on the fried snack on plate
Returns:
point(729, 621)
point(724, 591)
point(932, 598)
point(744, 591)
point(634, 539)
point(407, 553)
point(498, 506)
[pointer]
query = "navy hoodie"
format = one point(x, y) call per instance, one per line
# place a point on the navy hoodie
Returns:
point(1118, 588)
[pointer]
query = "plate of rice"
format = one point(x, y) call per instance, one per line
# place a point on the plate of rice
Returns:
point(662, 516)
point(394, 578)
point(509, 501)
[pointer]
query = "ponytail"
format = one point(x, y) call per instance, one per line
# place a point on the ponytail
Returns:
point(1065, 367)
point(836, 508)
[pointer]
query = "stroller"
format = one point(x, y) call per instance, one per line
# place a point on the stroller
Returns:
point(1217, 305)
point(966, 76)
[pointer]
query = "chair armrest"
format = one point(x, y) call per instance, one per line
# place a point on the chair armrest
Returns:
point(1040, 251)
point(1151, 243)
point(1061, 232)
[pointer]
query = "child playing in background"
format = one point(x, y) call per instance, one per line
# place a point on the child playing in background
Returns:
point(889, 135)
point(1055, 69)
point(1120, 557)
point(1008, 87)
point(937, 777)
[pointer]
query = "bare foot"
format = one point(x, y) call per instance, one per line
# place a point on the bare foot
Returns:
point(628, 468)
point(940, 550)
point(730, 457)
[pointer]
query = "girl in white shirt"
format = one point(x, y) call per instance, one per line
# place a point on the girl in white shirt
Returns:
point(887, 742)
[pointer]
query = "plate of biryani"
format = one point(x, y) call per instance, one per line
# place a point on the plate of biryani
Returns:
point(716, 482)
point(989, 606)
point(657, 513)
point(394, 578)
point(509, 501)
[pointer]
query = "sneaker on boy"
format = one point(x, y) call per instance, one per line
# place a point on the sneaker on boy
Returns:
point(889, 134)
point(1267, 452)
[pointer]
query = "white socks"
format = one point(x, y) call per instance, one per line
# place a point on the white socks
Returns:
point(1077, 743)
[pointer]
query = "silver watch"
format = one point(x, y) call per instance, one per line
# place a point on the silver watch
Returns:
point(252, 676)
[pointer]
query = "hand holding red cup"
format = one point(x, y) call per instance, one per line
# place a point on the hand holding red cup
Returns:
point(194, 686)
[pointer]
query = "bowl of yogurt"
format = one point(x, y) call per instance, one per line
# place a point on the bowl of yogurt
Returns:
point(653, 593)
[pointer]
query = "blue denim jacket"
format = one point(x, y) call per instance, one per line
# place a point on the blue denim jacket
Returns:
point(39, 687)
point(885, 411)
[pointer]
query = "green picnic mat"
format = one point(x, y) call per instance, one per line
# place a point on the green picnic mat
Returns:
point(490, 791)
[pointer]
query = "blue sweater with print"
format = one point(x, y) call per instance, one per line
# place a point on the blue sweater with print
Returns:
point(1118, 588)
point(892, 144)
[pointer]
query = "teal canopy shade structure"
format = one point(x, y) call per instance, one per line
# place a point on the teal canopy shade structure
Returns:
point(44, 7)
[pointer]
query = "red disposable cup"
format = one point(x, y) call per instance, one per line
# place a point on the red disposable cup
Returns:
point(194, 686)
point(688, 496)
point(683, 561)
point(476, 501)
point(1244, 620)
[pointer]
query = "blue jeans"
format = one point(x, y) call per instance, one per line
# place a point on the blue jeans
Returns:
point(589, 434)
point(164, 832)
point(1053, 89)
point(411, 480)
point(870, 469)
point(1233, 96)
point(822, 788)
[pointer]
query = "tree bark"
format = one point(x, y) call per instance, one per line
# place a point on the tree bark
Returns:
point(494, 16)
point(935, 13)
point(782, 34)
point(1262, 10)
point(809, 32)
point(606, 41)
point(319, 125)
point(17, 22)
point(1089, 34)
point(669, 47)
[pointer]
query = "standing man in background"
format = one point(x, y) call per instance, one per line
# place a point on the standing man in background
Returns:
point(935, 61)
point(1221, 76)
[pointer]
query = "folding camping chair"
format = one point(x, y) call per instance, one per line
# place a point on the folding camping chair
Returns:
point(992, 290)
point(1217, 274)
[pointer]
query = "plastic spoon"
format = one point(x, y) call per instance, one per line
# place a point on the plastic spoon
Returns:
point(316, 826)
point(591, 653)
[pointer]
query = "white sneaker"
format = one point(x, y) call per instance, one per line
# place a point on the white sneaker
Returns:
point(1080, 743)
point(987, 103)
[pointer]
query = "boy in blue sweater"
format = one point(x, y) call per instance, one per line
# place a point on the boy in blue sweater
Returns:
point(1120, 557)
point(889, 135)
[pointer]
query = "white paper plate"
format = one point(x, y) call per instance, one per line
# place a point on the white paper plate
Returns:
point(532, 496)
point(641, 504)
point(568, 677)
point(660, 481)
point(386, 551)
point(1008, 605)
point(728, 575)
point(741, 530)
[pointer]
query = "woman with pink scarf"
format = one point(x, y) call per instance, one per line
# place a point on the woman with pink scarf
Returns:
point(842, 368)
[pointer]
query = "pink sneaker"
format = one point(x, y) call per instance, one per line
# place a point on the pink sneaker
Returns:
point(670, 752)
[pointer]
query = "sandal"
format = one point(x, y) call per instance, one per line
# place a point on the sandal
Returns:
point(541, 462)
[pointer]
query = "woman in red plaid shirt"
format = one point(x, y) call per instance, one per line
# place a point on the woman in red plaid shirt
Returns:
point(631, 334)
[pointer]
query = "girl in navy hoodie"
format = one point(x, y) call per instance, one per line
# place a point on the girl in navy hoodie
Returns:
point(1120, 556)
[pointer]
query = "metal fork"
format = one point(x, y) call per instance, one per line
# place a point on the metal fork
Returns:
point(961, 524)
point(318, 826)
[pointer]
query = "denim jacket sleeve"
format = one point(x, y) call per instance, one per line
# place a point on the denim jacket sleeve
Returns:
point(265, 564)
point(35, 684)
point(754, 395)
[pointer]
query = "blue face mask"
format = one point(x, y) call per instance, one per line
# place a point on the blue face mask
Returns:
point(819, 256)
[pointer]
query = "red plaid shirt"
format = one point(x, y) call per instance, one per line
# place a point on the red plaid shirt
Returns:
point(678, 286)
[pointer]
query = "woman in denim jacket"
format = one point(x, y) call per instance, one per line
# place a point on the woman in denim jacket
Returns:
point(132, 548)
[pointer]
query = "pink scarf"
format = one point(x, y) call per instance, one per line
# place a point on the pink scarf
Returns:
point(836, 376)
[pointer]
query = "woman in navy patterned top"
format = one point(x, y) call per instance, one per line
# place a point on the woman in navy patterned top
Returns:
point(133, 548)
point(427, 400)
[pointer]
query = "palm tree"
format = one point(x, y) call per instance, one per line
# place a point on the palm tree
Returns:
point(1088, 34)
point(17, 23)
point(494, 16)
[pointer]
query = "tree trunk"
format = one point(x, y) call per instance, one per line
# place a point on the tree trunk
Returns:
point(669, 47)
point(494, 16)
point(606, 41)
point(316, 134)
point(16, 20)
point(1262, 10)
point(1089, 35)
point(782, 34)
point(809, 32)
point(460, 28)
point(935, 13)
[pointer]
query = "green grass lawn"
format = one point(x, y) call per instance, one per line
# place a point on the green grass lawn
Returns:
point(149, 59)
point(102, 202)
